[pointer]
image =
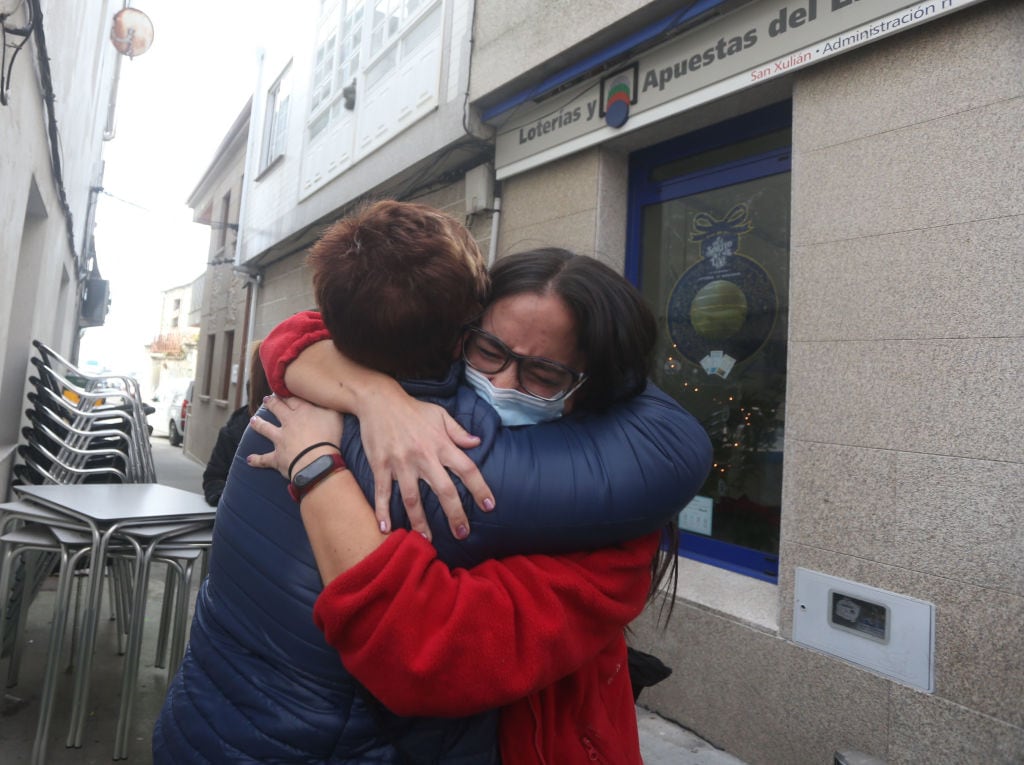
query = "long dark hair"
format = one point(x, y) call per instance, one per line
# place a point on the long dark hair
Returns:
point(616, 334)
point(258, 386)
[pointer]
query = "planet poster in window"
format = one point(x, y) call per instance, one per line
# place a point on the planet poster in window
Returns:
point(723, 308)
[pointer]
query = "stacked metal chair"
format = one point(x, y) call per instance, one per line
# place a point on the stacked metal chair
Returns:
point(82, 428)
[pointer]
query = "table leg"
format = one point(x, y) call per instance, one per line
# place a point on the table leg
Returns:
point(166, 612)
point(22, 622)
point(6, 565)
point(90, 623)
point(133, 649)
point(49, 690)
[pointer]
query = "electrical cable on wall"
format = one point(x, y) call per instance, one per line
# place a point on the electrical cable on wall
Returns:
point(34, 27)
point(46, 80)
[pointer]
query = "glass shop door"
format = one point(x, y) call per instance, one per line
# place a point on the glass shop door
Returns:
point(709, 249)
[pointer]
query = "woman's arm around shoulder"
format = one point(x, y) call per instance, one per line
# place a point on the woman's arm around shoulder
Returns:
point(594, 479)
point(284, 344)
point(483, 637)
point(405, 440)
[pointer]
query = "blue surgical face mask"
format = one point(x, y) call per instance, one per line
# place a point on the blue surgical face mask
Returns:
point(513, 406)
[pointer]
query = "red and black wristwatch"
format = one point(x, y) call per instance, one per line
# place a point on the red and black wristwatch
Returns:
point(304, 480)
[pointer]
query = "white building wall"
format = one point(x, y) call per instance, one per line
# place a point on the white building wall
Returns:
point(38, 269)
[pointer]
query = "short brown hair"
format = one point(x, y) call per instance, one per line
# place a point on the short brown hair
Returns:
point(395, 283)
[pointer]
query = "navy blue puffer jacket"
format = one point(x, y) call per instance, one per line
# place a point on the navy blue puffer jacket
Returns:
point(259, 683)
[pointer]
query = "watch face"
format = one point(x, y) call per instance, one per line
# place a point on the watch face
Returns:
point(313, 470)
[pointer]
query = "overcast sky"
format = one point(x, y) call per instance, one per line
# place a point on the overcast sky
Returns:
point(175, 103)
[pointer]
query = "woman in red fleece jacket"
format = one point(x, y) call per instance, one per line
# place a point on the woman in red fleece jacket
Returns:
point(540, 636)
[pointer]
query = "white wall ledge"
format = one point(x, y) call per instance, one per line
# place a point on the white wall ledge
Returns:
point(734, 596)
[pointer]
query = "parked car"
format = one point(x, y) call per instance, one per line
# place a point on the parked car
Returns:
point(176, 426)
point(170, 402)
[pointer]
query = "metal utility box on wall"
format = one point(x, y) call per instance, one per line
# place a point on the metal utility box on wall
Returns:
point(479, 189)
point(888, 633)
point(95, 303)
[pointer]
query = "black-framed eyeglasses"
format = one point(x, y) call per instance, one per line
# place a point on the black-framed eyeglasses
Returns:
point(540, 377)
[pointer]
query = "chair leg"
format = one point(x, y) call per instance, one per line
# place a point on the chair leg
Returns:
point(19, 629)
point(167, 616)
point(129, 676)
point(120, 574)
point(57, 630)
point(74, 620)
point(83, 654)
point(42, 557)
point(127, 583)
point(181, 621)
point(116, 606)
point(6, 564)
point(113, 600)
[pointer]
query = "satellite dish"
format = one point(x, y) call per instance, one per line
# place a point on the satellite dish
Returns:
point(131, 32)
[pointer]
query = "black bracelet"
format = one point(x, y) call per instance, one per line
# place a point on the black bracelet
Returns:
point(306, 451)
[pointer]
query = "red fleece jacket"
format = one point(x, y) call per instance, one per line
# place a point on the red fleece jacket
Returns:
point(540, 636)
point(427, 640)
point(285, 342)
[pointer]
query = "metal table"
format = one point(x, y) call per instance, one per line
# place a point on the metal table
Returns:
point(105, 509)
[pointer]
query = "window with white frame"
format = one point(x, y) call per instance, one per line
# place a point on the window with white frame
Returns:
point(375, 70)
point(275, 121)
point(322, 87)
point(336, 61)
point(351, 43)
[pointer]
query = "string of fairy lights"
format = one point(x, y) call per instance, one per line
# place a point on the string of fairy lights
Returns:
point(749, 428)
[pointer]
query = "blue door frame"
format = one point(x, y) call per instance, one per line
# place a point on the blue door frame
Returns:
point(644, 191)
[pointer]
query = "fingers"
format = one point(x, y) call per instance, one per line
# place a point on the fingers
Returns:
point(458, 434)
point(451, 503)
point(275, 404)
point(482, 494)
point(382, 504)
point(269, 460)
point(446, 493)
point(261, 460)
point(261, 426)
point(440, 482)
point(465, 468)
point(414, 507)
point(473, 479)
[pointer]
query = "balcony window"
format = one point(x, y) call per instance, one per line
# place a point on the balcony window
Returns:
point(275, 125)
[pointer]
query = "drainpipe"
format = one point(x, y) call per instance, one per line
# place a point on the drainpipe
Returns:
point(492, 250)
point(253, 281)
point(253, 276)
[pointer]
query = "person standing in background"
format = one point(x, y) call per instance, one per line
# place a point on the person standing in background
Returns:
point(216, 473)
